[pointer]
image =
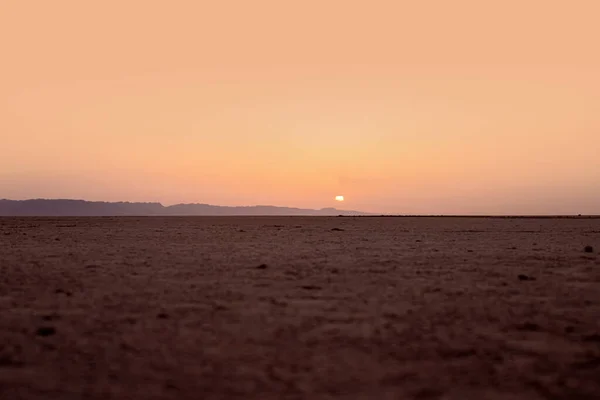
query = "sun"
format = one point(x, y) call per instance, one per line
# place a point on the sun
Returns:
point(339, 198)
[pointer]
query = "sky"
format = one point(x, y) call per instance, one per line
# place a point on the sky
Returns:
point(409, 107)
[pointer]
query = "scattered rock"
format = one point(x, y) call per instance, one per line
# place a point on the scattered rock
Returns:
point(529, 326)
point(8, 360)
point(241, 231)
point(50, 317)
point(418, 241)
point(277, 302)
point(590, 362)
point(595, 337)
point(569, 329)
point(469, 251)
point(311, 287)
point(45, 331)
point(428, 393)
point(162, 316)
point(61, 291)
point(127, 347)
point(588, 249)
point(219, 307)
point(526, 278)
point(262, 266)
point(334, 271)
point(337, 229)
point(57, 239)
point(457, 352)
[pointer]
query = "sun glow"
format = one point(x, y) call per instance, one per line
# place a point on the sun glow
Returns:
point(339, 198)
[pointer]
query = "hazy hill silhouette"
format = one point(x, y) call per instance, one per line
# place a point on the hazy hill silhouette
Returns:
point(60, 207)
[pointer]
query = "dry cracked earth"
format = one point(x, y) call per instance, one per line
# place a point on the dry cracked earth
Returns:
point(299, 308)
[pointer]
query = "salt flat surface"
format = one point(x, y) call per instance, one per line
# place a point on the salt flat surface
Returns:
point(299, 308)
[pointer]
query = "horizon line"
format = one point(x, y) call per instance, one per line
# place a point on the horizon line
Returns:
point(365, 213)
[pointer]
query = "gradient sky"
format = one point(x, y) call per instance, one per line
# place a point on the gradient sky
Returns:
point(401, 106)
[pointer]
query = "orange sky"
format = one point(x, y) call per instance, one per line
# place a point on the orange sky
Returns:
point(401, 106)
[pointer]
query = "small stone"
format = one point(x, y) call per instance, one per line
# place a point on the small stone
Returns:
point(595, 337)
point(526, 278)
point(45, 331)
point(162, 316)
point(569, 329)
point(311, 287)
point(337, 229)
point(529, 326)
point(588, 249)
point(262, 266)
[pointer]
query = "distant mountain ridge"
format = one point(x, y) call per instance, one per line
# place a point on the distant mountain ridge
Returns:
point(80, 208)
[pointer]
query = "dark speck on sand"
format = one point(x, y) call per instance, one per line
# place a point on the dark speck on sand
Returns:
point(45, 331)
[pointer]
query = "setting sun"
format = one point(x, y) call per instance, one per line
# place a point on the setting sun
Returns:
point(339, 198)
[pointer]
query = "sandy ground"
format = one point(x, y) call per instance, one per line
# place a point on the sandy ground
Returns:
point(299, 308)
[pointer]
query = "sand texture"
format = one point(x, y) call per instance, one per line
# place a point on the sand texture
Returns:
point(299, 308)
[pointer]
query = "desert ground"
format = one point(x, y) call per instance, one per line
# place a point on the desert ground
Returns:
point(299, 308)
